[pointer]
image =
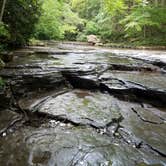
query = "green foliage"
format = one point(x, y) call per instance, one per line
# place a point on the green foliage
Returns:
point(151, 41)
point(86, 9)
point(144, 17)
point(71, 23)
point(111, 20)
point(4, 36)
point(81, 37)
point(20, 17)
point(104, 22)
point(58, 21)
point(137, 18)
point(115, 6)
point(4, 33)
point(91, 28)
point(69, 32)
point(49, 22)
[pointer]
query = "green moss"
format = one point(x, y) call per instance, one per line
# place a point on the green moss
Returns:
point(2, 82)
point(86, 102)
point(70, 110)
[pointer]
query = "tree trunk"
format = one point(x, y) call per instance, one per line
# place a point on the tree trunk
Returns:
point(156, 2)
point(2, 10)
point(163, 3)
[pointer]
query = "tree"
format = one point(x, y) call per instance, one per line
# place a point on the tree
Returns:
point(143, 18)
point(57, 21)
point(20, 17)
point(2, 10)
point(86, 9)
point(48, 26)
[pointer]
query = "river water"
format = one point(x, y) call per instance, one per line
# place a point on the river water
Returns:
point(72, 104)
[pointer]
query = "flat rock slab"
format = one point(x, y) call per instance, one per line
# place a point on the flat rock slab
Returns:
point(147, 79)
point(149, 55)
point(31, 103)
point(83, 107)
point(147, 124)
point(63, 146)
point(137, 86)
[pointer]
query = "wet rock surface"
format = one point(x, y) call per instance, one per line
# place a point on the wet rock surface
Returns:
point(83, 105)
point(6, 117)
point(70, 146)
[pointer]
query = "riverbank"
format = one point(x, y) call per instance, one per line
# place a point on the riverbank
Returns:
point(128, 46)
point(103, 45)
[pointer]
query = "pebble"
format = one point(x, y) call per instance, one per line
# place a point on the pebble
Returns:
point(112, 131)
point(116, 144)
point(4, 134)
point(79, 148)
point(81, 162)
point(62, 125)
point(116, 134)
point(68, 125)
point(52, 121)
point(10, 130)
point(129, 141)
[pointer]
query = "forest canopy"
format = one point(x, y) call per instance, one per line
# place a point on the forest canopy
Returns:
point(137, 21)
